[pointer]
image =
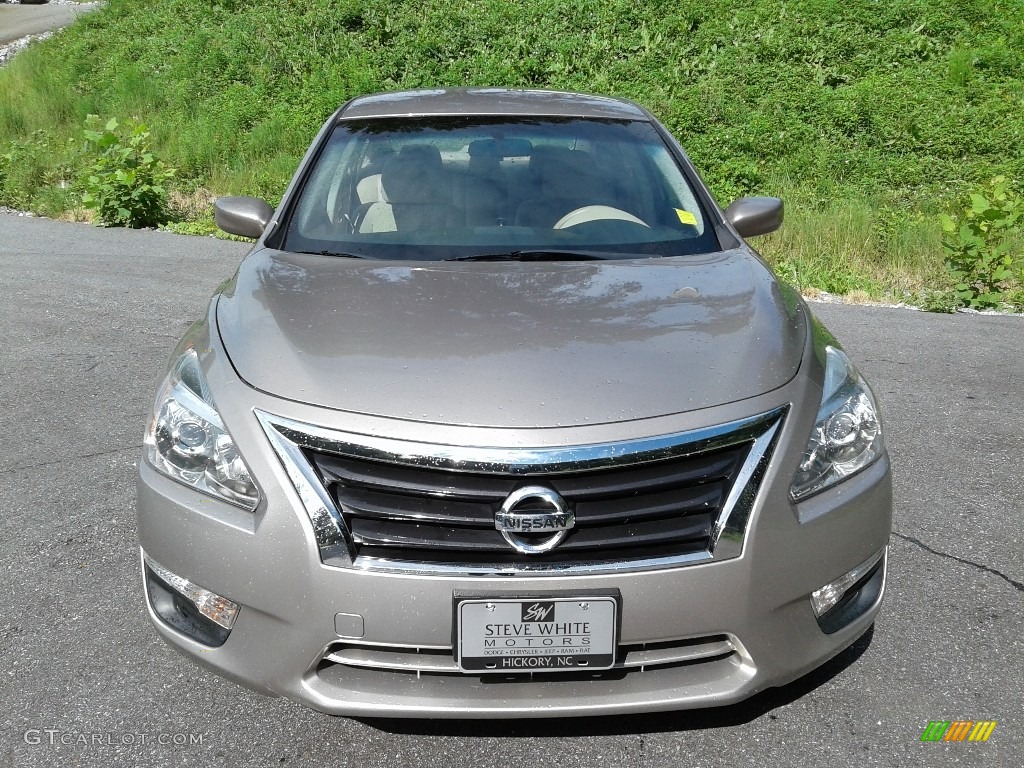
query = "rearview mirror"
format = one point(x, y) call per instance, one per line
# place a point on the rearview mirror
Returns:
point(752, 216)
point(242, 216)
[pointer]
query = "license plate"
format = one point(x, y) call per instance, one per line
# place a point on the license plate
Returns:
point(549, 634)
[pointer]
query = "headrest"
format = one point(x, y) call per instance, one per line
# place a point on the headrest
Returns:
point(369, 189)
point(568, 173)
point(515, 147)
point(484, 148)
point(484, 158)
point(414, 176)
point(426, 153)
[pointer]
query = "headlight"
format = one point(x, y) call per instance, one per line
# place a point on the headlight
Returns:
point(186, 438)
point(847, 434)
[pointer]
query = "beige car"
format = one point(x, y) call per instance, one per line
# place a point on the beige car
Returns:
point(501, 417)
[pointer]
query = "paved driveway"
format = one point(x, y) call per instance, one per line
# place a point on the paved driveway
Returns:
point(17, 21)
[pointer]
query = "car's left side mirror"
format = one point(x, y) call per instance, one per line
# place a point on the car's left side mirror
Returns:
point(752, 216)
point(242, 216)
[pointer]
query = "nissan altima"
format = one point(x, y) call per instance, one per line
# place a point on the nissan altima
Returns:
point(502, 417)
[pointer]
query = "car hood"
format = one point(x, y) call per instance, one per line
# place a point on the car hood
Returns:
point(510, 344)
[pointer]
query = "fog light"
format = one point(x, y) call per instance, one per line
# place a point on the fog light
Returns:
point(826, 598)
point(198, 613)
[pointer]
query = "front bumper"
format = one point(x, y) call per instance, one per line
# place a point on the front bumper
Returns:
point(356, 643)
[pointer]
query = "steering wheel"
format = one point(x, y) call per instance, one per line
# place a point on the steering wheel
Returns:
point(596, 213)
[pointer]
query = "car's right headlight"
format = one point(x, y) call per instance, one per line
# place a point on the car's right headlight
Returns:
point(186, 439)
point(847, 434)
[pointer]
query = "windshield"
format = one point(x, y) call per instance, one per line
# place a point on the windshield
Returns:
point(432, 188)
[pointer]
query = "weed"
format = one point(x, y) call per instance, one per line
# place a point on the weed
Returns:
point(1015, 299)
point(31, 164)
point(981, 256)
point(943, 301)
point(125, 182)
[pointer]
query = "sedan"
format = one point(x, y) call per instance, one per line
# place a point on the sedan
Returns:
point(501, 417)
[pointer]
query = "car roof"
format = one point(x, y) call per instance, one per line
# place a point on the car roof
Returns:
point(490, 101)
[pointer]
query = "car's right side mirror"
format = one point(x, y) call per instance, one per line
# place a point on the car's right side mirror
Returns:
point(752, 216)
point(242, 216)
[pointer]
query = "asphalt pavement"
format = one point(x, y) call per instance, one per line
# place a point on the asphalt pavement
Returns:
point(17, 21)
point(88, 318)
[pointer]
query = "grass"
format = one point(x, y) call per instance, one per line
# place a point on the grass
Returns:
point(854, 243)
point(868, 118)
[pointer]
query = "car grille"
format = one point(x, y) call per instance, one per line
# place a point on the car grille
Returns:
point(382, 503)
point(403, 513)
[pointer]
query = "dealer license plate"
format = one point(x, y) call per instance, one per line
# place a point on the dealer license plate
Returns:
point(536, 635)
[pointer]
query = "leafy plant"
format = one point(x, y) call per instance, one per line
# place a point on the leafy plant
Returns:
point(937, 300)
point(125, 184)
point(980, 246)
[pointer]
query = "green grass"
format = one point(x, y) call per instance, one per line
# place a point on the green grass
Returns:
point(870, 118)
point(854, 243)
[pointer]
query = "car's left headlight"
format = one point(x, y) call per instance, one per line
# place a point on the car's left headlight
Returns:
point(186, 439)
point(847, 434)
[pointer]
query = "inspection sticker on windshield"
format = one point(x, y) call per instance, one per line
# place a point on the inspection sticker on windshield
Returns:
point(536, 635)
point(686, 217)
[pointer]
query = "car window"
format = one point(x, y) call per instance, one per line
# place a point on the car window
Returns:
point(444, 187)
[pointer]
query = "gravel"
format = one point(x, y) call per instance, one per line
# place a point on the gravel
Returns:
point(7, 51)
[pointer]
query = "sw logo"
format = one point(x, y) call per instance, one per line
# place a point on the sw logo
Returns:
point(958, 730)
point(538, 612)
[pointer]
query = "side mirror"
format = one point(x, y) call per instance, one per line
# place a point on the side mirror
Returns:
point(242, 216)
point(752, 216)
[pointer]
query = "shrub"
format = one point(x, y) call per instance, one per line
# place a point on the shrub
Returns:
point(125, 182)
point(980, 246)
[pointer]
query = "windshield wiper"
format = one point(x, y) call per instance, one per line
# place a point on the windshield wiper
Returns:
point(540, 255)
point(334, 253)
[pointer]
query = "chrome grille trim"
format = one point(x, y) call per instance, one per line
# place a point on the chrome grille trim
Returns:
point(404, 660)
point(441, 661)
point(655, 655)
point(733, 520)
point(328, 525)
point(288, 437)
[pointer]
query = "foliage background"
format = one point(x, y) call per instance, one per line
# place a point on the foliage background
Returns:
point(870, 117)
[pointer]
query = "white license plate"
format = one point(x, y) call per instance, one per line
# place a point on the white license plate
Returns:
point(548, 634)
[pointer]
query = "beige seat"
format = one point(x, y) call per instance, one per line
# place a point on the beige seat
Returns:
point(415, 194)
point(370, 190)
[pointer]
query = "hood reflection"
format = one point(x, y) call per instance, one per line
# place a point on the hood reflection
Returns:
point(488, 343)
